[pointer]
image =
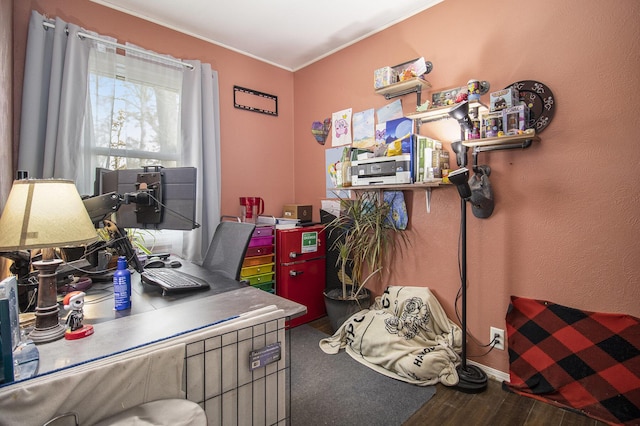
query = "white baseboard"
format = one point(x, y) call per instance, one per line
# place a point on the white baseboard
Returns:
point(492, 373)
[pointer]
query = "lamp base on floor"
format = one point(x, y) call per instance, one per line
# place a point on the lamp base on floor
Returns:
point(471, 379)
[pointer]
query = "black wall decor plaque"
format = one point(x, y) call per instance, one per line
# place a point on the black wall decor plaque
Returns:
point(252, 100)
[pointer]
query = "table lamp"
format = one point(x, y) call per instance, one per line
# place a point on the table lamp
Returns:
point(44, 214)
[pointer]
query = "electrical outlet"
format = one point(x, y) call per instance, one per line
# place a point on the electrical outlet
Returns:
point(498, 335)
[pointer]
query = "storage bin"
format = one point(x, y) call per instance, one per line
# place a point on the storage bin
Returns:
point(260, 279)
point(257, 260)
point(255, 270)
point(265, 287)
point(261, 241)
point(263, 231)
point(259, 251)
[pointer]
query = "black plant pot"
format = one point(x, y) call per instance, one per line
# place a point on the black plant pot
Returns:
point(339, 309)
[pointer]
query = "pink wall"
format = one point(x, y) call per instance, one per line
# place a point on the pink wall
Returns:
point(565, 226)
point(257, 150)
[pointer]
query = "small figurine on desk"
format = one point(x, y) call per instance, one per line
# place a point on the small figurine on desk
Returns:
point(74, 301)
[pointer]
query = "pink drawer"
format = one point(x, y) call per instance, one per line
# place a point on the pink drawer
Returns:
point(263, 231)
point(259, 251)
point(261, 241)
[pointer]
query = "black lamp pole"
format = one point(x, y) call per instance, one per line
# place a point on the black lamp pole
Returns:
point(463, 279)
point(471, 378)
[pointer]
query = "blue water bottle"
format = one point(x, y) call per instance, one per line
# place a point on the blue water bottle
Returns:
point(122, 285)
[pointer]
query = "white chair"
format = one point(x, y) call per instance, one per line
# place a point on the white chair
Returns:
point(163, 412)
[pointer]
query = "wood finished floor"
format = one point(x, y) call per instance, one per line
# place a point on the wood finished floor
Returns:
point(450, 407)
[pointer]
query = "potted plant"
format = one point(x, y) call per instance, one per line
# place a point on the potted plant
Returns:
point(367, 234)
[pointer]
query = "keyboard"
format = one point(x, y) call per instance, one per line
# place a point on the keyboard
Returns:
point(171, 280)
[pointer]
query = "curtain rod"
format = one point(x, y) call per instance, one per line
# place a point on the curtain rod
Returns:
point(125, 47)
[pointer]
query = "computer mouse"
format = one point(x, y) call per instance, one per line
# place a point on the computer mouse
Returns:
point(175, 264)
point(155, 263)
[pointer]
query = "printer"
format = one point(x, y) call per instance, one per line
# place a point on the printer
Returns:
point(381, 170)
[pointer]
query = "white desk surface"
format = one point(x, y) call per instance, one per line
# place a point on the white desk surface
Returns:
point(154, 317)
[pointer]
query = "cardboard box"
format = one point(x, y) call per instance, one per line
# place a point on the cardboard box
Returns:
point(303, 212)
point(383, 77)
point(413, 68)
point(492, 124)
point(386, 76)
point(515, 119)
point(448, 97)
point(503, 99)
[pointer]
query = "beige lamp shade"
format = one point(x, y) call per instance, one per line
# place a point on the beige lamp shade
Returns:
point(44, 213)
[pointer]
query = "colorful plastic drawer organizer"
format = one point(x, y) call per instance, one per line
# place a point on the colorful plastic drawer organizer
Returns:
point(258, 265)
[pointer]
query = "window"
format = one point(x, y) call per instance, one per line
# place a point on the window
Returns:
point(134, 121)
point(135, 112)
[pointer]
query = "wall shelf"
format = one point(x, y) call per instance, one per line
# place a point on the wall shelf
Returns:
point(420, 186)
point(442, 113)
point(413, 85)
point(397, 187)
point(504, 142)
point(480, 145)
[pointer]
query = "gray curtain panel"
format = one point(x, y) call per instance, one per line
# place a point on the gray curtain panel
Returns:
point(201, 144)
point(53, 99)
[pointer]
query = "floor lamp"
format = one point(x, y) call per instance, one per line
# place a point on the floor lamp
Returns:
point(44, 214)
point(471, 378)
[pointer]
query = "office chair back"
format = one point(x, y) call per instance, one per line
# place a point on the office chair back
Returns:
point(228, 248)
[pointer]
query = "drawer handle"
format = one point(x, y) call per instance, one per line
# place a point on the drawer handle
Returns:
point(293, 254)
point(295, 273)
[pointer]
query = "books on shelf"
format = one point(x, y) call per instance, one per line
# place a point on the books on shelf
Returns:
point(430, 159)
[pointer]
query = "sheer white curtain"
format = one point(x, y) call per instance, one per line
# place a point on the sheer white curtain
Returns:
point(134, 101)
point(67, 133)
point(98, 116)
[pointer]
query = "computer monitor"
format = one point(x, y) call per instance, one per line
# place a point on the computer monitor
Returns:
point(153, 197)
point(150, 198)
point(97, 183)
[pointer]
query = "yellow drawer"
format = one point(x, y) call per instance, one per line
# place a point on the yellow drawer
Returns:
point(255, 270)
point(260, 279)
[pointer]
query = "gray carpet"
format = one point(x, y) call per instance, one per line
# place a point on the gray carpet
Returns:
point(337, 390)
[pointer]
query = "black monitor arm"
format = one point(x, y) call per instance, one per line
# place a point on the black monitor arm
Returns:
point(100, 207)
point(118, 238)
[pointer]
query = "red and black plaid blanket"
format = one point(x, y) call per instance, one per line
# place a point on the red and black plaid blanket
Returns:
point(586, 361)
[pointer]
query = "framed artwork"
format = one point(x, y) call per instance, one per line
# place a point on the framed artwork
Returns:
point(252, 100)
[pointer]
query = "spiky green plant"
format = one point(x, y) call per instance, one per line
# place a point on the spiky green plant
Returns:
point(367, 236)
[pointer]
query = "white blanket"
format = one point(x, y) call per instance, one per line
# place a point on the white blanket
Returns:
point(405, 335)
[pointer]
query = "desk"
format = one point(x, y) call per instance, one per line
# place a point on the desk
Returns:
point(152, 332)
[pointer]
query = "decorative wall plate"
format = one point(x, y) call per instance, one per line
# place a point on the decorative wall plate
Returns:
point(540, 101)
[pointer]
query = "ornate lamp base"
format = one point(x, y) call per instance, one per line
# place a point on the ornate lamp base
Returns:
point(48, 327)
point(47, 335)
